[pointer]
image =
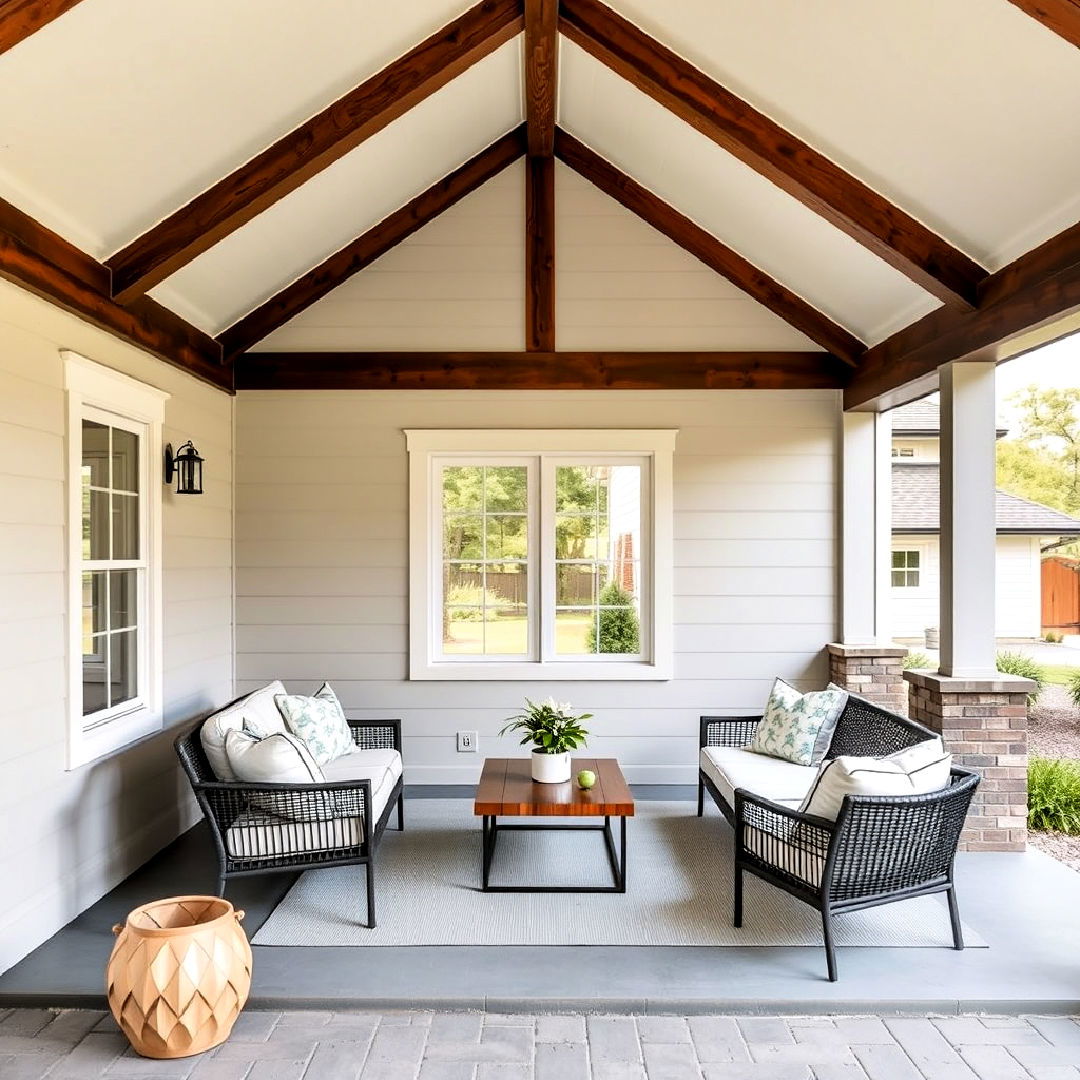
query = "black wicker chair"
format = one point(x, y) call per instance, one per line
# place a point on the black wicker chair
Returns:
point(322, 824)
point(879, 849)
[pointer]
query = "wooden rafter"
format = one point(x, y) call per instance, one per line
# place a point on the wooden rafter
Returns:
point(540, 254)
point(313, 146)
point(736, 126)
point(21, 18)
point(1061, 16)
point(539, 371)
point(1036, 289)
point(704, 246)
point(44, 263)
point(541, 74)
point(377, 241)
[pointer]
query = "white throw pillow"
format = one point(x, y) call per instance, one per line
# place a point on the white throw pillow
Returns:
point(798, 727)
point(917, 770)
point(319, 721)
point(256, 711)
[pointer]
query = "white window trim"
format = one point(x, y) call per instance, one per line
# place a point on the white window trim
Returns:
point(425, 446)
point(90, 385)
point(911, 590)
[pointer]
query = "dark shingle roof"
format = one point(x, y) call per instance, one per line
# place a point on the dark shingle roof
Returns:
point(922, 417)
point(915, 507)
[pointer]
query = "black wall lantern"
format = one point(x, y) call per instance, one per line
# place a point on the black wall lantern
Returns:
point(186, 466)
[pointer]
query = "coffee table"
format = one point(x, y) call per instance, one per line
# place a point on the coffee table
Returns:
point(507, 789)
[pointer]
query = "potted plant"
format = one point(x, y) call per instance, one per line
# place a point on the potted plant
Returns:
point(554, 731)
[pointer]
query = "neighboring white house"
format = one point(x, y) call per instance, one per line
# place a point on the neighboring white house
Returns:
point(1023, 528)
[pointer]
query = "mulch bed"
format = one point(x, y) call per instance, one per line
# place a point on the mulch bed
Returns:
point(1054, 732)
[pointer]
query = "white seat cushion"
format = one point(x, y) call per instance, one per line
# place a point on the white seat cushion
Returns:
point(731, 767)
point(806, 866)
point(256, 835)
point(257, 710)
point(381, 767)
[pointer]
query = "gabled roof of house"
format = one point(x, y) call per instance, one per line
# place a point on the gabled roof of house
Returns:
point(915, 494)
point(923, 417)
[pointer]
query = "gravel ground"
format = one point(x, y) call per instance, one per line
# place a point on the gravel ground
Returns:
point(1054, 731)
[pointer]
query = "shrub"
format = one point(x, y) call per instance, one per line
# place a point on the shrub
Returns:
point(1054, 794)
point(473, 596)
point(1072, 687)
point(1052, 636)
point(1025, 668)
point(618, 622)
point(917, 660)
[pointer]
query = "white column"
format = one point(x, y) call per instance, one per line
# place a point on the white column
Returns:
point(866, 528)
point(968, 534)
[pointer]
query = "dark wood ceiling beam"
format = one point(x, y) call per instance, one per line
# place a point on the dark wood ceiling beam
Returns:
point(541, 74)
point(704, 246)
point(733, 124)
point(377, 241)
point(539, 371)
point(540, 254)
point(313, 146)
point(1061, 16)
point(39, 260)
point(1036, 289)
point(21, 18)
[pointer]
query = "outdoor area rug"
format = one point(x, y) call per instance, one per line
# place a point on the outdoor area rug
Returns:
point(678, 891)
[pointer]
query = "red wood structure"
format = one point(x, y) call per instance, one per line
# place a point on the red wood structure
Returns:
point(1061, 594)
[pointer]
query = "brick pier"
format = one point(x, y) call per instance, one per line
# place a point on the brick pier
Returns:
point(874, 672)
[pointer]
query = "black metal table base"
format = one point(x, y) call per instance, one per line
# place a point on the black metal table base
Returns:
point(617, 859)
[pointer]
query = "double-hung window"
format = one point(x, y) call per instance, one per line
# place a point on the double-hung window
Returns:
point(114, 433)
point(540, 554)
point(906, 569)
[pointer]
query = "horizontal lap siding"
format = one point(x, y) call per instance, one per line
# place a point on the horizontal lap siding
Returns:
point(68, 837)
point(322, 561)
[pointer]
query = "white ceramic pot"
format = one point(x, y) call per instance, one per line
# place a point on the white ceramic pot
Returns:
point(550, 768)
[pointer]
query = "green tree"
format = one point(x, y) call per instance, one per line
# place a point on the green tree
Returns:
point(618, 622)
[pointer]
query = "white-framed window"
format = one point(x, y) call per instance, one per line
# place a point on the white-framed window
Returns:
point(907, 568)
point(114, 558)
point(540, 554)
point(903, 451)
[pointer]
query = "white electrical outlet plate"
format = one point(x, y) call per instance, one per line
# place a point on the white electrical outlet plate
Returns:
point(466, 742)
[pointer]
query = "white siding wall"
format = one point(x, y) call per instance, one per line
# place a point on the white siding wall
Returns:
point(1017, 581)
point(322, 546)
point(68, 837)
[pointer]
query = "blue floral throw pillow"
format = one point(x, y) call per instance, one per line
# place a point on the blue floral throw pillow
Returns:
point(319, 721)
point(798, 727)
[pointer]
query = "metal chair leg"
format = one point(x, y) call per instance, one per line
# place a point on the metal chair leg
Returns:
point(370, 894)
point(954, 918)
point(700, 798)
point(737, 919)
point(401, 812)
point(830, 949)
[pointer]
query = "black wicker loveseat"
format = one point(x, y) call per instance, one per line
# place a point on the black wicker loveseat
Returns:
point(313, 825)
point(880, 849)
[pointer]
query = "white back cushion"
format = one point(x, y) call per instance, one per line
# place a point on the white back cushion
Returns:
point(260, 713)
point(917, 770)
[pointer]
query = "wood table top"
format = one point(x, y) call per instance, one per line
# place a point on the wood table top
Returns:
point(507, 789)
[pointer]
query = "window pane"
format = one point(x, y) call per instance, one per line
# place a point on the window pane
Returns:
point(506, 633)
point(913, 560)
point(574, 536)
point(576, 488)
point(125, 460)
point(898, 559)
point(507, 588)
point(463, 630)
point(618, 622)
point(463, 487)
point(95, 651)
point(95, 453)
point(898, 578)
point(122, 599)
point(125, 522)
point(123, 667)
point(575, 631)
point(463, 537)
point(95, 524)
point(507, 537)
point(505, 488)
point(93, 603)
point(575, 584)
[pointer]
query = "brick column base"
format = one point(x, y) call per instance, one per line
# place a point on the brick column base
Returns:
point(874, 672)
point(984, 723)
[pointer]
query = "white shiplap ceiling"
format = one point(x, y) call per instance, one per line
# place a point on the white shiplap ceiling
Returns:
point(959, 111)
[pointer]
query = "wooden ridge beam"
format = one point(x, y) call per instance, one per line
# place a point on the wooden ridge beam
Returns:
point(21, 18)
point(378, 240)
point(540, 254)
point(733, 124)
point(712, 252)
point(539, 371)
point(541, 74)
point(1060, 16)
point(45, 264)
point(314, 145)
point(1038, 288)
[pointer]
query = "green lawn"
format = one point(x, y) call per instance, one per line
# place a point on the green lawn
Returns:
point(509, 636)
point(1059, 674)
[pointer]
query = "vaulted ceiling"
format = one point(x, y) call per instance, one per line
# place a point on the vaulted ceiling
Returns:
point(858, 167)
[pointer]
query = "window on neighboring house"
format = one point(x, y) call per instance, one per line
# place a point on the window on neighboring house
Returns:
point(906, 567)
point(903, 451)
point(540, 554)
point(115, 567)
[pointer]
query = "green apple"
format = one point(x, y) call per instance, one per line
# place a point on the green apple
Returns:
point(586, 778)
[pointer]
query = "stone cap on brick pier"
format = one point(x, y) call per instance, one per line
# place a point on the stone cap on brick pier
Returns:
point(866, 650)
point(951, 684)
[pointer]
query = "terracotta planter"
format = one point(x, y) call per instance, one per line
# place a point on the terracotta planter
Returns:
point(179, 974)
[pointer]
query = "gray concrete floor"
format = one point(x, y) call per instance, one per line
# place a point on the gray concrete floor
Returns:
point(1024, 905)
point(35, 1044)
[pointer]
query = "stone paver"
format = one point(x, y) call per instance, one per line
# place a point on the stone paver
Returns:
point(46, 1044)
